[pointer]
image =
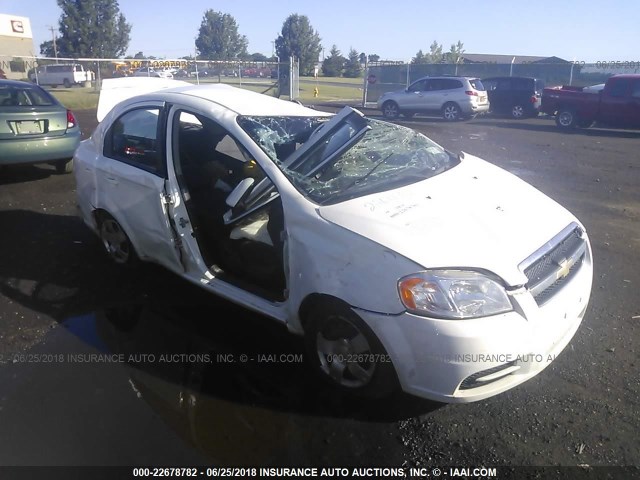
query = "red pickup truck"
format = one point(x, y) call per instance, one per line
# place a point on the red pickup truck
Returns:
point(615, 105)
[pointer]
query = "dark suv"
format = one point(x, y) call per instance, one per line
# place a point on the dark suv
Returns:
point(515, 96)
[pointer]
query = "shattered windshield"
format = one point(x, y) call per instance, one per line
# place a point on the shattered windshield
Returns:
point(378, 157)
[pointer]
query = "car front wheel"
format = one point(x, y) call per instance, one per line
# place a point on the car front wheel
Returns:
point(451, 112)
point(346, 352)
point(390, 110)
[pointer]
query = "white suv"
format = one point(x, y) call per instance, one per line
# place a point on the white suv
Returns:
point(452, 97)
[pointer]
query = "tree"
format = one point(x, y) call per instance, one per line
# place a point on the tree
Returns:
point(362, 58)
point(258, 57)
point(373, 58)
point(352, 67)
point(435, 53)
point(419, 58)
point(92, 28)
point(300, 40)
point(46, 49)
point(455, 52)
point(333, 64)
point(218, 38)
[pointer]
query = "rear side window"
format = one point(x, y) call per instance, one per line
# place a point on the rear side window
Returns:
point(451, 84)
point(523, 84)
point(619, 88)
point(635, 89)
point(490, 84)
point(477, 84)
point(133, 139)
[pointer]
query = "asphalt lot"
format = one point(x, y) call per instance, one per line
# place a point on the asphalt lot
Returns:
point(61, 301)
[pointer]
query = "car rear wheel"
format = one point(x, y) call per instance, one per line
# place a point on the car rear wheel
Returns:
point(65, 166)
point(518, 112)
point(116, 242)
point(346, 352)
point(451, 112)
point(66, 83)
point(566, 119)
point(390, 110)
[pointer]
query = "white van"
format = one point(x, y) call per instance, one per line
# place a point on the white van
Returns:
point(66, 74)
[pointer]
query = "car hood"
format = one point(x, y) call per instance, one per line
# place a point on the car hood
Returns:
point(474, 216)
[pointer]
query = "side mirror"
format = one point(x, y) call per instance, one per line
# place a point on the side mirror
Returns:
point(240, 193)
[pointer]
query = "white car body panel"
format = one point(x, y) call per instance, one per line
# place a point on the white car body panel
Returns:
point(116, 90)
point(474, 216)
point(488, 219)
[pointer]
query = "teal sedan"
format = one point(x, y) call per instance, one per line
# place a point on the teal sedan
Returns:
point(35, 127)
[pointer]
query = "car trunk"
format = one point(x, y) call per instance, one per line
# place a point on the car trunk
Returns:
point(46, 121)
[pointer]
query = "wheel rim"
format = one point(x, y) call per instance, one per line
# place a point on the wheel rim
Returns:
point(565, 119)
point(450, 112)
point(115, 241)
point(390, 110)
point(339, 344)
point(518, 111)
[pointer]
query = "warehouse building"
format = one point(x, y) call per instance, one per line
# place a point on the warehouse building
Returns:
point(16, 41)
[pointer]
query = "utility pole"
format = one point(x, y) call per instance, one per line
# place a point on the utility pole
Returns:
point(55, 46)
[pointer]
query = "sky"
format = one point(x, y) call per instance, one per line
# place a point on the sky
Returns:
point(589, 31)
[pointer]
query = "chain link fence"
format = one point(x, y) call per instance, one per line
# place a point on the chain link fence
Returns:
point(381, 78)
point(271, 78)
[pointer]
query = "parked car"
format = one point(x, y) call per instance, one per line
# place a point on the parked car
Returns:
point(452, 97)
point(515, 96)
point(150, 72)
point(401, 263)
point(617, 104)
point(35, 127)
point(67, 74)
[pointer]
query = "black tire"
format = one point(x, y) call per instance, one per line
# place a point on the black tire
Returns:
point(451, 112)
point(566, 119)
point(115, 241)
point(66, 83)
point(346, 353)
point(64, 166)
point(390, 110)
point(518, 112)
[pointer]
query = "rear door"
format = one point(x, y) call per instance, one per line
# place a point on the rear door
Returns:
point(502, 98)
point(131, 183)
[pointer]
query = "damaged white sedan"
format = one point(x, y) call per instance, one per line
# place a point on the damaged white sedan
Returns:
point(401, 263)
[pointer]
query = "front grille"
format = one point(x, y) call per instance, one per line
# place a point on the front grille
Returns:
point(472, 380)
point(553, 269)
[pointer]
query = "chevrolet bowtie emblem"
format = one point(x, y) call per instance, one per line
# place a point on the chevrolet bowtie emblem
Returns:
point(565, 268)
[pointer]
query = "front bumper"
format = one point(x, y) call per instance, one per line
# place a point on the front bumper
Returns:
point(457, 361)
point(26, 150)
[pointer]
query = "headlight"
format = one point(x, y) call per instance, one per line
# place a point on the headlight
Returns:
point(453, 294)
